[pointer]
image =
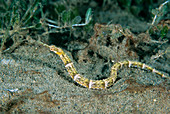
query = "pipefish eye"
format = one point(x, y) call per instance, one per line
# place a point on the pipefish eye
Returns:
point(56, 50)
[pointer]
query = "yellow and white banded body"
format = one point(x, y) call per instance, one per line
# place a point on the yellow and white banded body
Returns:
point(98, 84)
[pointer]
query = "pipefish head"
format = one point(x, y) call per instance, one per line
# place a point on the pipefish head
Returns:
point(56, 50)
